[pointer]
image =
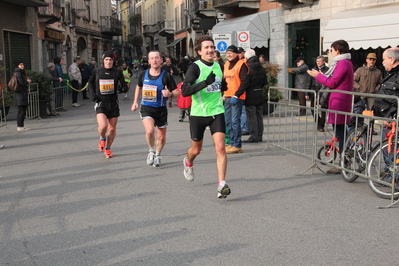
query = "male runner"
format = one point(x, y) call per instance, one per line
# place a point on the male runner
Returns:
point(204, 81)
point(104, 82)
point(155, 85)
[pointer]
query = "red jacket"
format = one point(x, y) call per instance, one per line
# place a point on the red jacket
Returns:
point(183, 102)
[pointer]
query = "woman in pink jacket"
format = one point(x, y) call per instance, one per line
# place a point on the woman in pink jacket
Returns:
point(338, 77)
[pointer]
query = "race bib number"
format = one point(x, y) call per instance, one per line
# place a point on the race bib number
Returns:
point(149, 93)
point(106, 86)
point(214, 87)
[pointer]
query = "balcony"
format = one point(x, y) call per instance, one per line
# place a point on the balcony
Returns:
point(204, 9)
point(229, 6)
point(290, 3)
point(167, 27)
point(28, 3)
point(150, 30)
point(51, 13)
point(110, 26)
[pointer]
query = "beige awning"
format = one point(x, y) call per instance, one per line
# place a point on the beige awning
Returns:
point(175, 42)
point(257, 24)
point(374, 26)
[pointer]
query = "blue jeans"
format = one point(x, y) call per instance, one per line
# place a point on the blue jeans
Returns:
point(232, 115)
point(340, 133)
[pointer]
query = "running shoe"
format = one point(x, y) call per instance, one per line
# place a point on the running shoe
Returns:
point(101, 145)
point(157, 161)
point(188, 171)
point(108, 153)
point(150, 158)
point(223, 191)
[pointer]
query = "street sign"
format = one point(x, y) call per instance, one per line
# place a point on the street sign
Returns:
point(222, 41)
point(243, 40)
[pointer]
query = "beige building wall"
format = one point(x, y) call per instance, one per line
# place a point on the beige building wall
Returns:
point(323, 10)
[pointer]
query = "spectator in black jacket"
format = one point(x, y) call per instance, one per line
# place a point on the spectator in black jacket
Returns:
point(301, 81)
point(254, 99)
point(21, 96)
point(49, 73)
point(316, 86)
point(86, 73)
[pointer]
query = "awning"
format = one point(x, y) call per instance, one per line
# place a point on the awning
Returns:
point(55, 28)
point(374, 26)
point(175, 42)
point(257, 24)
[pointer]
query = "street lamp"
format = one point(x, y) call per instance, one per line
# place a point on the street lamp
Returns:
point(87, 5)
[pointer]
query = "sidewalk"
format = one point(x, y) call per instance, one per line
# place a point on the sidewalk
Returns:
point(63, 203)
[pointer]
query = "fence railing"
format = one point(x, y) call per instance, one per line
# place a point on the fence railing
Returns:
point(61, 98)
point(288, 130)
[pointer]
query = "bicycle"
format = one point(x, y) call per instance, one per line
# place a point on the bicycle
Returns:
point(329, 151)
point(383, 164)
point(361, 152)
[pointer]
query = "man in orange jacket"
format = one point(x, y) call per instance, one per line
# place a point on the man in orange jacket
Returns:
point(236, 75)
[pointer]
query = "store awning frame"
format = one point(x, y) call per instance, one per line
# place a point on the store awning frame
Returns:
point(366, 27)
point(257, 24)
point(175, 42)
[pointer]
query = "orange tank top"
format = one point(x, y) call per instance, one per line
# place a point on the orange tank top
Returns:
point(232, 77)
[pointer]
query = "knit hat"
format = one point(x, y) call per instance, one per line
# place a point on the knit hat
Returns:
point(372, 56)
point(17, 62)
point(108, 53)
point(233, 48)
point(299, 59)
point(241, 50)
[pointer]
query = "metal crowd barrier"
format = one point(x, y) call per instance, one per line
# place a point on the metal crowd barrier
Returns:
point(286, 129)
point(62, 97)
point(299, 134)
point(33, 100)
point(3, 119)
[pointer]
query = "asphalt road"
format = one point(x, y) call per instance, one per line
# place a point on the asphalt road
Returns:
point(63, 203)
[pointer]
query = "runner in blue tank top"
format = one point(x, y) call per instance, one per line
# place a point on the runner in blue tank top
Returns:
point(154, 87)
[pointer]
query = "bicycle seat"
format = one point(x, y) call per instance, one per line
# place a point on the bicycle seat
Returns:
point(368, 113)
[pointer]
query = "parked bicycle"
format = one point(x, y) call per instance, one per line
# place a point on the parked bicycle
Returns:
point(383, 165)
point(329, 151)
point(380, 159)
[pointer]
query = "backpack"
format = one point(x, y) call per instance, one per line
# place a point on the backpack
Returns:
point(13, 83)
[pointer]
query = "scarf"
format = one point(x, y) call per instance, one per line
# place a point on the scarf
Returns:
point(334, 62)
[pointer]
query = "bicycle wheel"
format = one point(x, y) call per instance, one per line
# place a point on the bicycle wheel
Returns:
point(380, 167)
point(354, 155)
point(325, 156)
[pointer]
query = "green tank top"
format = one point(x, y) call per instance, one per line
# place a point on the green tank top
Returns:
point(208, 101)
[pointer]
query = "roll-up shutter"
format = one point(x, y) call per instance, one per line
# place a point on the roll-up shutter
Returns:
point(17, 48)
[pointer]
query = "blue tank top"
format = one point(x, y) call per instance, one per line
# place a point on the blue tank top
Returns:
point(152, 91)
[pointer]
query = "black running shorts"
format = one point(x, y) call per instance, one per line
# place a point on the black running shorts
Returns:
point(110, 109)
point(198, 125)
point(159, 114)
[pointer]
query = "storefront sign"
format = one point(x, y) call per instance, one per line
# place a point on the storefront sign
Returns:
point(55, 35)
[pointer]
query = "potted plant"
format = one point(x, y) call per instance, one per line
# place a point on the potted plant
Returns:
point(44, 86)
point(271, 71)
point(6, 102)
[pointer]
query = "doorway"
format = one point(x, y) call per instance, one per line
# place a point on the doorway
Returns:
point(303, 41)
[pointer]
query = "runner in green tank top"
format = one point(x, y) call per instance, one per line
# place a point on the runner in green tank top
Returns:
point(204, 82)
point(208, 101)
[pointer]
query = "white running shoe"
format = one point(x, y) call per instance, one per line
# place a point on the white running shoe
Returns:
point(76, 104)
point(22, 129)
point(223, 191)
point(150, 158)
point(188, 171)
point(157, 161)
